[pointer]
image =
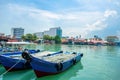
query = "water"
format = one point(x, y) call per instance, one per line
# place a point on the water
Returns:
point(97, 63)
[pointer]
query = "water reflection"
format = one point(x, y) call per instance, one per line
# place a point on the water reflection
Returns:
point(53, 47)
point(113, 49)
point(17, 75)
point(2, 70)
point(66, 75)
point(30, 46)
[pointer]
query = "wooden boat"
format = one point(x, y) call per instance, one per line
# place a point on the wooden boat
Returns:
point(53, 64)
point(13, 62)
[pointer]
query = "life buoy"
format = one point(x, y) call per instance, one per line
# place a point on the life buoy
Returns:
point(59, 66)
point(26, 56)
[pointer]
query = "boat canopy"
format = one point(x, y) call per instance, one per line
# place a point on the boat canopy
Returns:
point(18, 43)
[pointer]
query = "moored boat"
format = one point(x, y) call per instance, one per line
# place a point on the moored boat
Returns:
point(13, 62)
point(48, 65)
point(9, 59)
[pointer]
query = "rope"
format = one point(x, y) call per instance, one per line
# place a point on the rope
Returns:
point(9, 69)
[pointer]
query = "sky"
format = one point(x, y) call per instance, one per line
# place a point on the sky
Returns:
point(76, 17)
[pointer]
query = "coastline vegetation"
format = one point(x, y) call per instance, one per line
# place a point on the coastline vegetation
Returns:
point(29, 37)
point(48, 38)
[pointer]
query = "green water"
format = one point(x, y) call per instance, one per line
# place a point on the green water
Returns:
point(98, 63)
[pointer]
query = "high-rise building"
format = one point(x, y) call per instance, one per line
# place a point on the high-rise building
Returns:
point(54, 31)
point(17, 32)
point(51, 32)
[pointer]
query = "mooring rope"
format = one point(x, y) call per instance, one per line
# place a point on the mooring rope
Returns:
point(10, 68)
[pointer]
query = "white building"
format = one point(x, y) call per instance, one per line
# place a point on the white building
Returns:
point(51, 32)
point(39, 34)
point(54, 31)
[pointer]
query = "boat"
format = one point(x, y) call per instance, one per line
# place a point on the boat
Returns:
point(14, 49)
point(53, 64)
point(18, 43)
point(8, 59)
point(14, 61)
point(13, 46)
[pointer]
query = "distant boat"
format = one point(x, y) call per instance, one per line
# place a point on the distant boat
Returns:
point(53, 64)
point(18, 43)
point(14, 61)
point(13, 46)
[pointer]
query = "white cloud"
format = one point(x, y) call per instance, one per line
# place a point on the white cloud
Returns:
point(38, 17)
point(110, 13)
point(73, 23)
point(99, 24)
point(17, 9)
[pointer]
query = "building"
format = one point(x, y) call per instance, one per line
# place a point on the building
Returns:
point(54, 31)
point(112, 38)
point(3, 37)
point(2, 34)
point(17, 33)
point(39, 34)
point(51, 32)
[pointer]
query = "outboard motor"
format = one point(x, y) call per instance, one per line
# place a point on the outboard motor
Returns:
point(26, 56)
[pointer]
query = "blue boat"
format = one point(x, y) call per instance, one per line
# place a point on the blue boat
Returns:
point(53, 64)
point(0, 49)
point(13, 61)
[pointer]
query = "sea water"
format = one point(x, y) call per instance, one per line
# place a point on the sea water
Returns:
point(97, 63)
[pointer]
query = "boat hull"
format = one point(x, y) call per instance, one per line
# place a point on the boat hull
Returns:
point(11, 64)
point(44, 68)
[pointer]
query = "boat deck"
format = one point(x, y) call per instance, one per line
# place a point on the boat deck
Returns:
point(58, 58)
point(42, 53)
point(18, 56)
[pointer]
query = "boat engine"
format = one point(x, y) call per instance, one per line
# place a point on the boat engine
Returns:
point(26, 55)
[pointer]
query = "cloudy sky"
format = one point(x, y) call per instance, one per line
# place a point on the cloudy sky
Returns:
point(75, 17)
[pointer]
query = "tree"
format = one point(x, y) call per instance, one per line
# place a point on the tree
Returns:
point(23, 37)
point(46, 37)
point(57, 39)
point(29, 37)
point(34, 37)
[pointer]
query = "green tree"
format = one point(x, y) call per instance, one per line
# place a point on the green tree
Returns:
point(57, 39)
point(29, 37)
point(23, 37)
point(46, 37)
